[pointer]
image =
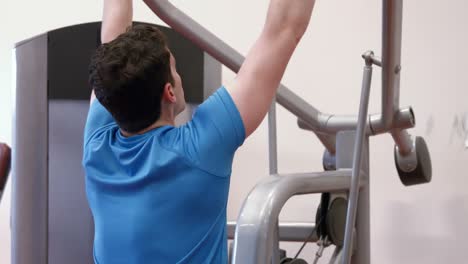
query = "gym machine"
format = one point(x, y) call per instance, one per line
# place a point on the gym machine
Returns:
point(343, 215)
point(51, 222)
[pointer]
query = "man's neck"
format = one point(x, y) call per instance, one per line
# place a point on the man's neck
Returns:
point(167, 118)
point(159, 123)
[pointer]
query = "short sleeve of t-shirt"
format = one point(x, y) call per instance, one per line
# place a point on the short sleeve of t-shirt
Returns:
point(215, 132)
point(98, 117)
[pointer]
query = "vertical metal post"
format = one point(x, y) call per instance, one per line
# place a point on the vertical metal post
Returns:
point(357, 155)
point(275, 244)
point(362, 238)
point(391, 56)
point(336, 256)
point(273, 163)
point(272, 139)
point(30, 183)
point(392, 16)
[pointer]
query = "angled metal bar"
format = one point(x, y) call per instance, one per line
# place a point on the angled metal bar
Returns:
point(357, 155)
point(317, 121)
point(403, 140)
point(404, 119)
point(232, 59)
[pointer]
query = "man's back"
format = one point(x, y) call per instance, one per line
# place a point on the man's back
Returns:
point(160, 197)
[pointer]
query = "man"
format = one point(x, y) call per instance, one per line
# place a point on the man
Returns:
point(158, 193)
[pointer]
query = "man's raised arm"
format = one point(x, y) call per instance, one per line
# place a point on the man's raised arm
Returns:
point(117, 16)
point(256, 83)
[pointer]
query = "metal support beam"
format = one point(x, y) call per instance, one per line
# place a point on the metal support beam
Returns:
point(290, 232)
point(261, 209)
point(272, 139)
point(391, 59)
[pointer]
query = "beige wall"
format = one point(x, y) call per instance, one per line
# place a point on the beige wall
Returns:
point(421, 224)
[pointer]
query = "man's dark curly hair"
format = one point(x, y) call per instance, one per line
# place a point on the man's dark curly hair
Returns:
point(128, 76)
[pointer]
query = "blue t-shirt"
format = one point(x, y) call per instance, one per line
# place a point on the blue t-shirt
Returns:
point(160, 197)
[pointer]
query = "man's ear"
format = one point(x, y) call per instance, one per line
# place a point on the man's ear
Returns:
point(168, 93)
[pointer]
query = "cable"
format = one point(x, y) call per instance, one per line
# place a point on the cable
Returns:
point(309, 237)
